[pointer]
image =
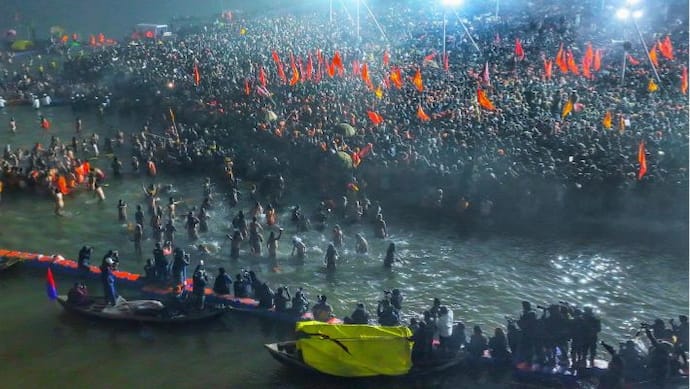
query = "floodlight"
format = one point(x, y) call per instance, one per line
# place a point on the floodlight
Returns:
point(623, 13)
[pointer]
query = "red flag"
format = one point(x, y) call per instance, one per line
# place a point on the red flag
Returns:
point(548, 68)
point(279, 66)
point(642, 159)
point(519, 52)
point(632, 60)
point(355, 67)
point(375, 117)
point(484, 101)
point(331, 69)
point(262, 76)
point(396, 77)
point(585, 68)
point(560, 60)
point(422, 115)
point(386, 58)
point(597, 59)
point(295, 72)
point(684, 80)
point(446, 67)
point(666, 48)
point(572, 66)
point(197, 76)
point(247, 89)
point(51, 289)
point(365, 150)
point(653, 57)
point(430, 57)
point(338, 63)
point(417, 80)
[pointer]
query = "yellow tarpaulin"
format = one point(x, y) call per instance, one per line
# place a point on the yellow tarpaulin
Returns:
point(22, 45)
point(355, 350)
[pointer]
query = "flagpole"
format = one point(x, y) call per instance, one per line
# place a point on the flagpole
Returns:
point(468, 33)
point(646, 50)
point(376, 22)
point(330, 10)
point(444, 35)
point(358, 18)
point(625, 61)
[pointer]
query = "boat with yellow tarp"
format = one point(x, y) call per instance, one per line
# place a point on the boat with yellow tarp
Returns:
point(352, 351)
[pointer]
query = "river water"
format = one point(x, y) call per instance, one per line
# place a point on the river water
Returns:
point(482, 277)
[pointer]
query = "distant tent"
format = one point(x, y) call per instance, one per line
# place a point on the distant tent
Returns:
point(345, 159)
point(22, 45)
point(270, 116)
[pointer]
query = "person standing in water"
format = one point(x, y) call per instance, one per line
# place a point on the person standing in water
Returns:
point(121, 211)
point(331, 257)
point(272, 244)
point(390, 256)
point(235, 241)
point(380, 229)
point(299, 249)
point(59, 202)
point(13, 125)
point(255, 237)
point(362, 245)
point(138, 237)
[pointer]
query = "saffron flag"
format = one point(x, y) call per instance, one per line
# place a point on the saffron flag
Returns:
point(197, 76)
point(338, 63)
point(422, 115)
point(597, 59)
point(295, 73)
point(621, 124)
point(279, 66)
point(386, 58)
point(652, 86)
point(666, 48)
point(430, 57)
point(375, 117)
point(684, 80)
point(567, 108)
point(51, 290)
point(417, 80)
point(632, 60)
point(608, 120)
point(310, 68)
point(484, 101)
point(561, 61)
point(585, 69)
point(519, 52)
point(642, 159)
point(653, 57)
point(330, 69)
point(365, 76)
point(396, 77)
point(572, 66)
point(548, 68)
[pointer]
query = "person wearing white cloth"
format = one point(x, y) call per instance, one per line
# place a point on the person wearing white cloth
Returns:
point(444, 325)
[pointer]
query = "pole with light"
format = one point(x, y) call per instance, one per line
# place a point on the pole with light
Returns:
point(447, 4)
point(634, 13)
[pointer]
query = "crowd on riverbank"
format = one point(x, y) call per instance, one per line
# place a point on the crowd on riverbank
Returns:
point(290, 81)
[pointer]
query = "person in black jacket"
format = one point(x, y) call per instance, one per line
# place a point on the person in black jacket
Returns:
point(358, 316)
point(222, 283)
point(200, 280)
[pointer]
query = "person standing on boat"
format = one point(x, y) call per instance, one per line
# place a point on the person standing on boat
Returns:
point(222, 283)
point(83, 261)
point(200, 280)
point(162, 263)
point(478, 343)
point(388, 316)
point(444, 325)
point(281, 299)
point(397, 299)
point(528, 331)
point(108, 280)
point(498, 347)
point(300, 303)
point(179, 266)
point(590, 332)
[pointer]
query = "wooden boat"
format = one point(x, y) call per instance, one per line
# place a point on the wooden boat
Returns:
point(287, 354)
point(96, 310)
point(287, 317)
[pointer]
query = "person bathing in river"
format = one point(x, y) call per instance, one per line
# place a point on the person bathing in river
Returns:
point(380, 227)
point(169, 231)
point(270, 215)
point(137, 238)
point(337, 237)
point(299, 249)
point(362, 244)
point(99, 192)
point(390, 256)
point(59, 202)
point(235, 241)
point(331, 257)
point(257, 210)
point(255, 237)
point(203, 219)
point(191, 226)
point(272, 244)
point(121, 211)
point(172, 204)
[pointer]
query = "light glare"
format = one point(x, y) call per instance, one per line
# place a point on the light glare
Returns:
point(637, 14)
point(623, 13)
point(632, 2)
point(451, 3)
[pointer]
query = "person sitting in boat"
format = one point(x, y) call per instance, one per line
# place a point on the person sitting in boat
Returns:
point(459, 337)
point(222, 283)
point(498, 347)
point(322, 311)
point(176, 303)
point(240, 288)
point(281, 299)
point(108, 280)
point(200, 280)
point(162, 263)
point(444, 325)
point(78, 295)
point(115, 255)
point(423, 339)
point(387, 315)
point(478, 343)
point(300, 303)
point(265, 296)
point(358, 316)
